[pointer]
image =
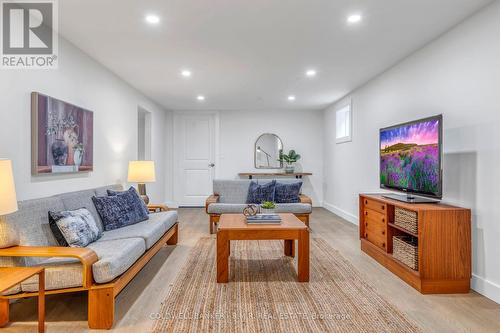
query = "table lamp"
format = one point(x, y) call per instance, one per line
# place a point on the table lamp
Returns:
point(141, 172)
point(8, 201)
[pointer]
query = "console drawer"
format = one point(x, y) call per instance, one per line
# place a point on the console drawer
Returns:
point(375, 205)
point(374, 215)
point(376, 238)
point(375, 227)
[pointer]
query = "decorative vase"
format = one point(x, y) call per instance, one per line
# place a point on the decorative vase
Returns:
point(289, 169)
point(78, 157)
point(266, 210)
point(59, 150)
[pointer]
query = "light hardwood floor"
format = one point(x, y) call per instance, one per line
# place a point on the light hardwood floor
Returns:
point(142, 297)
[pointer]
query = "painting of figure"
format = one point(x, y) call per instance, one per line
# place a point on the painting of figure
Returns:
point(62, 136)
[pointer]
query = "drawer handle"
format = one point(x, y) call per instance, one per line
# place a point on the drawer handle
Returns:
point(383, 244)
point(383, 220)
point(383, 207)
point(383, 232)
point(366, 224)
point(366, 213)
point(366, 235)
point(366, 202)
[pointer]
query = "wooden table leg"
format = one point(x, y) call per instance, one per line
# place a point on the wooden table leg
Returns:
point(222, 257)
point(290, 247)
point(303, 260)
point(4, 312)
point(41, 302)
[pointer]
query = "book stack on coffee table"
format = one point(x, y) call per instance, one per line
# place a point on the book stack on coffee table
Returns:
point(264, 219)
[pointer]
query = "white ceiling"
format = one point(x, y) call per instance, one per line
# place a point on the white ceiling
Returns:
point(252, 54)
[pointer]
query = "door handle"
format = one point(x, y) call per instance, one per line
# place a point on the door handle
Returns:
point(211, 165)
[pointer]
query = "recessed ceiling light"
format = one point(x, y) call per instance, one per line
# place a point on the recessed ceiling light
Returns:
point(291, 98)
point(153, 19)
point(186, 73)
point(311, 73)
point(355, 18)
point(200, 97)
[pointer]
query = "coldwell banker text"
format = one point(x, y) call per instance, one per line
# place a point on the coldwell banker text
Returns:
point(29, 34)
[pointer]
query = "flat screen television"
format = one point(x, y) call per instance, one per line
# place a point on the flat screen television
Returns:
point(410, 160)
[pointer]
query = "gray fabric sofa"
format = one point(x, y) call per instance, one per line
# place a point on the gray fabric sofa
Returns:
point(230, 197)
point(28, 241)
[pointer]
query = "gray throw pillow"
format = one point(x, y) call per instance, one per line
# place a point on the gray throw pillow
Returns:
point(74, 228)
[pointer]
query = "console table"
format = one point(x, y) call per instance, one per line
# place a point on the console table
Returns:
point(442, 241)
point(297, 175)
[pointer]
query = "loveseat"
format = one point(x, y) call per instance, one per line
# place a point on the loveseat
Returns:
point(103, 268)
point(230, 197)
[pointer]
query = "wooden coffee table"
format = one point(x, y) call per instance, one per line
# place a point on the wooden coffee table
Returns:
point(234, 227)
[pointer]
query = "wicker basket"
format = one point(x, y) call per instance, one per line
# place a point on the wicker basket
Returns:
point(405, 249)
point(406, 219)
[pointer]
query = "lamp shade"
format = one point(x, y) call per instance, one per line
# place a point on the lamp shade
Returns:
point(141, 172)
point(8, 200)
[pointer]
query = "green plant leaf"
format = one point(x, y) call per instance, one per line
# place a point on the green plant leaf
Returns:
point(268, 205)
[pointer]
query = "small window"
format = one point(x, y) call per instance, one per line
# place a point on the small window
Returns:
point(343, 124)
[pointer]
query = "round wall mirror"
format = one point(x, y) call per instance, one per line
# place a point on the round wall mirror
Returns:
point(268, 148)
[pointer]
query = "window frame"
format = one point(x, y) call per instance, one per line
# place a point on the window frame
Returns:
point(348, 137)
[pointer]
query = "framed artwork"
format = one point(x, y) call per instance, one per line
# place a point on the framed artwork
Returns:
point(62, 138)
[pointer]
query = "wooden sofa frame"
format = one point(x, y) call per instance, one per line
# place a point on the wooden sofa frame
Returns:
point(101, 297)
point(214, 218)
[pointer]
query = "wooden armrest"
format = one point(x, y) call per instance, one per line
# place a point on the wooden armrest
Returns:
point(153, 208)
point(86, 256)
point(214, 198)
point(305, 199)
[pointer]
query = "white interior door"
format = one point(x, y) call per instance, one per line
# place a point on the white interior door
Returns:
point(194, 142)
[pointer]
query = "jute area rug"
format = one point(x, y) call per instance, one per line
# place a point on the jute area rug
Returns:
point(264, 296)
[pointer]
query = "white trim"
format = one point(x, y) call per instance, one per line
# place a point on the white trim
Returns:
point(342, 213)
point(486, 288)
point(148, 133)
point(171, 204)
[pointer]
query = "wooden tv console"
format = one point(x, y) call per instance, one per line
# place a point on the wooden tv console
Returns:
point(444, 243)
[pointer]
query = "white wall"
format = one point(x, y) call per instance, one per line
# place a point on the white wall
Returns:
point(238, 130)
point(299, 130)
point(81, 81)
point(457, 75)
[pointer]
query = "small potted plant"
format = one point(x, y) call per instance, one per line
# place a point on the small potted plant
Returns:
point(289, 159)
point(267, 207)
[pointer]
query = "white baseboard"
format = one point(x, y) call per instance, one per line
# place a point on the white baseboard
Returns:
point(342, 213)
point(486, 288)
point(171, 204)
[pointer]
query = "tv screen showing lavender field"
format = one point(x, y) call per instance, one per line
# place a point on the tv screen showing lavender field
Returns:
point(410, 157)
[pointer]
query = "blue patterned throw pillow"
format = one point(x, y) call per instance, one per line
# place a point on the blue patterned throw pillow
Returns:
point(74, 228)
point(287, 193)
point(120, 210)
point(131, 189)
point(257, 193)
